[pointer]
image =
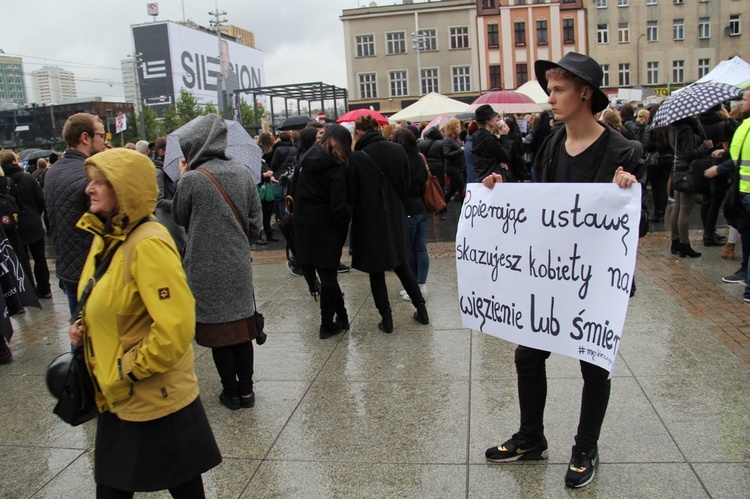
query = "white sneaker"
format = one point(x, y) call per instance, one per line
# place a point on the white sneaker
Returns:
point(402, 292)
point(422, 288)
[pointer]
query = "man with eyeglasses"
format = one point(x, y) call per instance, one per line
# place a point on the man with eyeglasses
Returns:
point(66, 200)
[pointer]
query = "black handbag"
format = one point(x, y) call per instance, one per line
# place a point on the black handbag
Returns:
point(682, 182)
point(76, 402)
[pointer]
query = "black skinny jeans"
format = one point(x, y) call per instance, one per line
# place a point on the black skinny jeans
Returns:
point(532, 397)
point(189, 490)
point(711, 204)
point(457, 185)
point(267, 207)
point(235, 367)
point(36, 250)
point(658, 177)
point(380, 290)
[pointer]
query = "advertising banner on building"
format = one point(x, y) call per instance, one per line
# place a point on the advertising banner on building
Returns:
point(175, 57)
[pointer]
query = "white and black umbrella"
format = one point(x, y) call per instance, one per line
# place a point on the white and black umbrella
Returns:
point(240, 147)
point(692, 100)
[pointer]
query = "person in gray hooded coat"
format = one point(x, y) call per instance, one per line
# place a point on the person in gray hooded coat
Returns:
point(217, 252)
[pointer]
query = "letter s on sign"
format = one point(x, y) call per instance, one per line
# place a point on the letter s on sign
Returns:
point(189, 77)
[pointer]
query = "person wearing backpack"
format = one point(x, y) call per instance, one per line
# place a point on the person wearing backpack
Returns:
point(29, 200)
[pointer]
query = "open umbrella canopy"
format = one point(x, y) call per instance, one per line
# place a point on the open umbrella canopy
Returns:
point(294, 123)
point(39, 153)
point(353, 115)
point(429, 107)
point(507, 101)
point(438, 122)
point(692, 100)
point(240, 146)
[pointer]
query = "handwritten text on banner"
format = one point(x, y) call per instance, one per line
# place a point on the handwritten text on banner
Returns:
point(549, 266)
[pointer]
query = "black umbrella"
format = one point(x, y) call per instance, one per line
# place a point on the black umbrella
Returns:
point(24, 155)
point(692, 100)
point(294, 123)
point(43, 153)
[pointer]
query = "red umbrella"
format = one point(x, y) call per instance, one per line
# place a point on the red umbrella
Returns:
point(507, 101)
point(353, 115)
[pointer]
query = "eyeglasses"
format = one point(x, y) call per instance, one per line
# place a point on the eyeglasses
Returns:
point(100, 134)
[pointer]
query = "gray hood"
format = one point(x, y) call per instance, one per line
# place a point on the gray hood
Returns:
point(203, 139)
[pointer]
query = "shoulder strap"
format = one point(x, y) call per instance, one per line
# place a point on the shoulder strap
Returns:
point(101, 269)
point(224, 195)
point(382, 175)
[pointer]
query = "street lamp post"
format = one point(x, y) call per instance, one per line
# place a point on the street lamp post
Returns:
point(638, 59)
point(418, 39)
point(220, 96)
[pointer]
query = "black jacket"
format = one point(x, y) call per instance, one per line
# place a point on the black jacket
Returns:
point(414, 201)
point(453, 156)
point(31, 199)
point(283, 157)
point(688, 144)
point(377, 183)
point(163, 212)
point(619, 152)
point(321, 213)
point(66, 201)
point(487, 152)
point(717, 128)
point(432, 148)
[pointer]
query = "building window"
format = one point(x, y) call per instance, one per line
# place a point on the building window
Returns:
point(493, 36)
point(704, 66)
point(652, 73)
point(623, 33)
point(605, 75)
point(522, 74)
point(652, 31)
point(519, 27)
point(496, 80)
point(395, 43)
point(704, 27)
point(429, 39)
point(678, 2)
point(734, 25)
point(461, 79)
point(488, 4)
point(460, 37)
point(652, 2)
point(365, 45)
point(568, 31)
point(678, 71)
point(601, 4)
point(520, 2)
point(623, 3)
point(368, 88)
point(541, 32)
point(624, 74)
point(429, 81)
point(602, 34)
point(398, 83)
point(678, 29)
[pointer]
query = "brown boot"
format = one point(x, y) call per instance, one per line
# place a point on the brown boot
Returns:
point(728, 252)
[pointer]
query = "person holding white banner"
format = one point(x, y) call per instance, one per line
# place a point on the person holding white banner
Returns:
point(584, 150)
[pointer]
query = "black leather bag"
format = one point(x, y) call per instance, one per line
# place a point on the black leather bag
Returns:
point(701, 184)
point(682, 182)
point(76, 401)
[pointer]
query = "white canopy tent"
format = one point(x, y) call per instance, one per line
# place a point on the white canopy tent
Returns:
point(429, 107)
point(533, 89)
point(734, 71)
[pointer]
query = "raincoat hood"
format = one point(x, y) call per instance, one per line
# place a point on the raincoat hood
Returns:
point(203, 139)
point(133, 177)
point(433, 133)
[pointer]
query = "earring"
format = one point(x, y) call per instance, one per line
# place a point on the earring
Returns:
point(583, 99)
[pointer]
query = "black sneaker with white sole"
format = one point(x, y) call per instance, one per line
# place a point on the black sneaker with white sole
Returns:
point(738, 277)
point(582, 467)
point(518, 449)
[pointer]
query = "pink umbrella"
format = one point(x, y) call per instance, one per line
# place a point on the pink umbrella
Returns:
point(438, 122)
point(506, 101)
point(353, 115)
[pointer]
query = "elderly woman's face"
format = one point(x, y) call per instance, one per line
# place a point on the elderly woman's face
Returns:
point(103, 198)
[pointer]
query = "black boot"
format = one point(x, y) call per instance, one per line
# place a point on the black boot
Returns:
point(421, 314)
point(686, 250)
point(386, 323)
point(328, 301)
point(712, 240)
point(342, 318)
point(675, 248)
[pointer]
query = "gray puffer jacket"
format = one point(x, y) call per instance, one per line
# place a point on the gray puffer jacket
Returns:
point(217, 251)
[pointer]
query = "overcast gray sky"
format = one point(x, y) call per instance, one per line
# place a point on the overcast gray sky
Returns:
point(302, 40)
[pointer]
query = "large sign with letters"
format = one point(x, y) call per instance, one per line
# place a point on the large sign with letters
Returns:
point(176, 57)
point(549, 266)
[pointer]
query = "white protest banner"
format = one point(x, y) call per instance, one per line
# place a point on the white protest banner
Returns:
point(549, 266)
point(121, 123)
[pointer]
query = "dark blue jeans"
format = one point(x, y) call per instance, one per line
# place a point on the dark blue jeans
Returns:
point(417, 257)
point(71, 291)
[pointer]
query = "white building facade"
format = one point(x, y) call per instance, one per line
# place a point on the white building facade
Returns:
point(53, 84)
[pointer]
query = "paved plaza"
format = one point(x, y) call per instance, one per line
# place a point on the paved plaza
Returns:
point(365, 414)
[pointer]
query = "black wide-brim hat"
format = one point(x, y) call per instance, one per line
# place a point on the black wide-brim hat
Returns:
point(484, 112)
point(583, 67)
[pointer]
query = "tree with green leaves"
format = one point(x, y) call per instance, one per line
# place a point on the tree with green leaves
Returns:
point(151, 123)
point(169, 121)
point(187, 107)
point(251, 116)
point(209, 108)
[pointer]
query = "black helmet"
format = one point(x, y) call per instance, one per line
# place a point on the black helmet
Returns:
point(57, 373)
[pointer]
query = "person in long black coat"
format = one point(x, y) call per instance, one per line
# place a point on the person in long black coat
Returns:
point(321, 220)
point(377, 183)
